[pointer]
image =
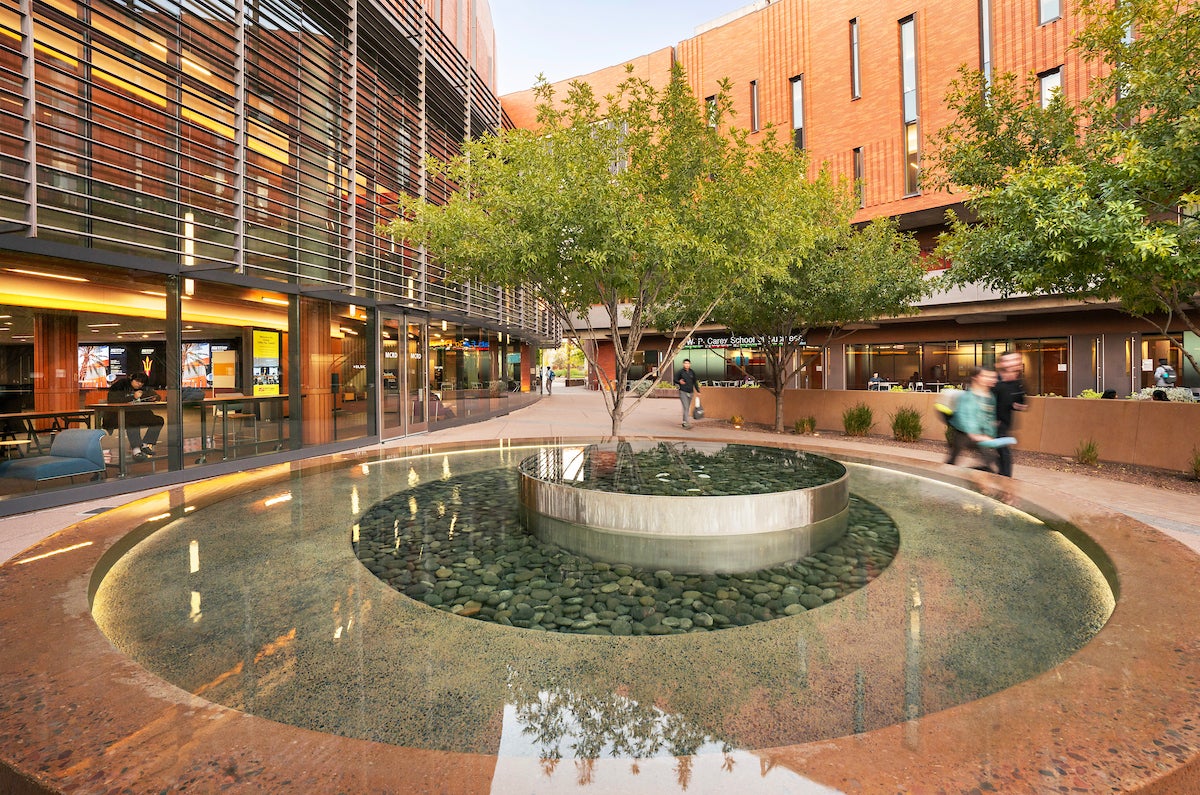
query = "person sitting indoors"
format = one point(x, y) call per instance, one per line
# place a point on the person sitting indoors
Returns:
point(133, 389)
point(974, 419)
point(874, 383)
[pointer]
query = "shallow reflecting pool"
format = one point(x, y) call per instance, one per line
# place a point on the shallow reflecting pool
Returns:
point(260, 603)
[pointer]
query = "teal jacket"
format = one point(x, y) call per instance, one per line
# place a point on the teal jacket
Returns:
point(975, 414)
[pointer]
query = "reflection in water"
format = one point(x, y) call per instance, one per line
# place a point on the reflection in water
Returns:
point(566, 721)
point(682, 468)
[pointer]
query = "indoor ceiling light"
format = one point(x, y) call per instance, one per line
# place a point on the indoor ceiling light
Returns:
point(46, 275)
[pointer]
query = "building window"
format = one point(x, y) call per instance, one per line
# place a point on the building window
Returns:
point(985, 40)
point(798, 111)
point(855, 74)
point(754, 123)
point(1050, 84)
point(912, 138)
point(1049, 10)
point(710, 110)
point(860, 189)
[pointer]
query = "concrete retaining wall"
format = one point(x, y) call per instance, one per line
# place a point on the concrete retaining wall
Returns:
point(1141, 432)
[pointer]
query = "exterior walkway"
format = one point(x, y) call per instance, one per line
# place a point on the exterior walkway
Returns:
point(577, 412)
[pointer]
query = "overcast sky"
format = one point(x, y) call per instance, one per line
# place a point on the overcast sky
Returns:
point(569, 38)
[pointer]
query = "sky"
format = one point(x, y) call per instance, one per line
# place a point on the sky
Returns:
point(568, 38)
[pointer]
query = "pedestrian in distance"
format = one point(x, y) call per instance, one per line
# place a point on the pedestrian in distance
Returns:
point(689, 386)
point(974, 420)
point(1009, 393)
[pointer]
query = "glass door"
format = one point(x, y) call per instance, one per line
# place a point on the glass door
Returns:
point(418, 405)
point(391, 376)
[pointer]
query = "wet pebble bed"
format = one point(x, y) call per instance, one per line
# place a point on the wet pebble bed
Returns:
point(458, 545)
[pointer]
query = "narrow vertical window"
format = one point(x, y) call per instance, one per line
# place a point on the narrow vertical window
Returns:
point(1049, 10)
point(798, 111)
point(710, 110)
point(754, 126)
point(908, 81)
point(1050, 84)
point(855, 73)
point(860, 188)
point(985, 41)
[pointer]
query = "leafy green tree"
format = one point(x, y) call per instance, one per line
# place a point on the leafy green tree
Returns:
point(623, 215)
point(1095, 200)
point(851, 275)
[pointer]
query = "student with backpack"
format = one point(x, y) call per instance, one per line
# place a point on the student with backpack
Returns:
point(1164, 376)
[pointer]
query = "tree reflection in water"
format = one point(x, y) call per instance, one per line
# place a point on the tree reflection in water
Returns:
point(565, 721)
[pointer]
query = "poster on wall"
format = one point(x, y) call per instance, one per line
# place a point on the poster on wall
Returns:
point(266, 362)
point(93, 366)
point(197, 364)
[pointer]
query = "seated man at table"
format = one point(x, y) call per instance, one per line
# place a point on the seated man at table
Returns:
point(133, 389)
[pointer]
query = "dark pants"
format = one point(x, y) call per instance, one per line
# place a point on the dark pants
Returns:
point(1004, 456)
point(135, 421)
point(960, 443)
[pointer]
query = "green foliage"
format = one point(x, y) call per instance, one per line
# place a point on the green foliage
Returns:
point(846, 275)
point(906, 424)
point(858, 420)
point(630, 212)
point(1087, 453)
point(1086, 199)
point(737, 420)
point(1090, 394)
point(805, 425)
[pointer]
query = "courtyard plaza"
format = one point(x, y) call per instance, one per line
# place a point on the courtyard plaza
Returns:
point(1067, 727)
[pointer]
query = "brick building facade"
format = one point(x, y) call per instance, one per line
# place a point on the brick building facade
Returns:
point(862, 87)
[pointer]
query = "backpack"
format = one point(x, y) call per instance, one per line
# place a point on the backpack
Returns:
point(946, 405)
point(1168, 375)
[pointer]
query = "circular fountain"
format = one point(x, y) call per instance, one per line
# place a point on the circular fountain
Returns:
point(685, 506)
point(283, 652)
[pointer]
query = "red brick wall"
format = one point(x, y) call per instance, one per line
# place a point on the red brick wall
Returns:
point(793, 37)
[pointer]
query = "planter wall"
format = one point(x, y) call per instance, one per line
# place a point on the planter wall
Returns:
point(1141, 432)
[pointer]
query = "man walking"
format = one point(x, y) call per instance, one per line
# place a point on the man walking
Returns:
point(688, 385)
point(1010, 396)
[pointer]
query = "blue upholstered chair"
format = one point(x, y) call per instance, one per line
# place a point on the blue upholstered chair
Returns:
point(75, 451)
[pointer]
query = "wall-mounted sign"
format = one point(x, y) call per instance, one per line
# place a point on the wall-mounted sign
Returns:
point(266, 362)
point(733, 341)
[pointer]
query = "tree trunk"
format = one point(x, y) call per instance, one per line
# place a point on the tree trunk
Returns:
point(778, 409)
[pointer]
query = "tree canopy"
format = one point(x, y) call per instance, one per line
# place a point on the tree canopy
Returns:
point(850, 275)
point(1095, 199)
point(635, 204)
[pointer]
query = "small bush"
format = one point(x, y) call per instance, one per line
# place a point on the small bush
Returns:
point(1087, 453)
point(806, 425)
point(736, 420)
point(906, 424)
point(1175, 394)
point(1090, 394)
point(858, 420)
point(641, 387)
point(1194, 464)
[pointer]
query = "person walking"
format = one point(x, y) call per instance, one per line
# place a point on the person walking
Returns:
point(689, 386)
point(1009, 393)
point(1164, 375)
point(974, 419)
point(549, 381)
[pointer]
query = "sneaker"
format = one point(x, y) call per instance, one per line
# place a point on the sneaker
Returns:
point(138, 455)
point(148, 449)
point(686, 425)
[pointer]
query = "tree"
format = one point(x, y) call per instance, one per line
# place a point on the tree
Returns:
point(636, 206)
point(1096, 200)
point(850, 275)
